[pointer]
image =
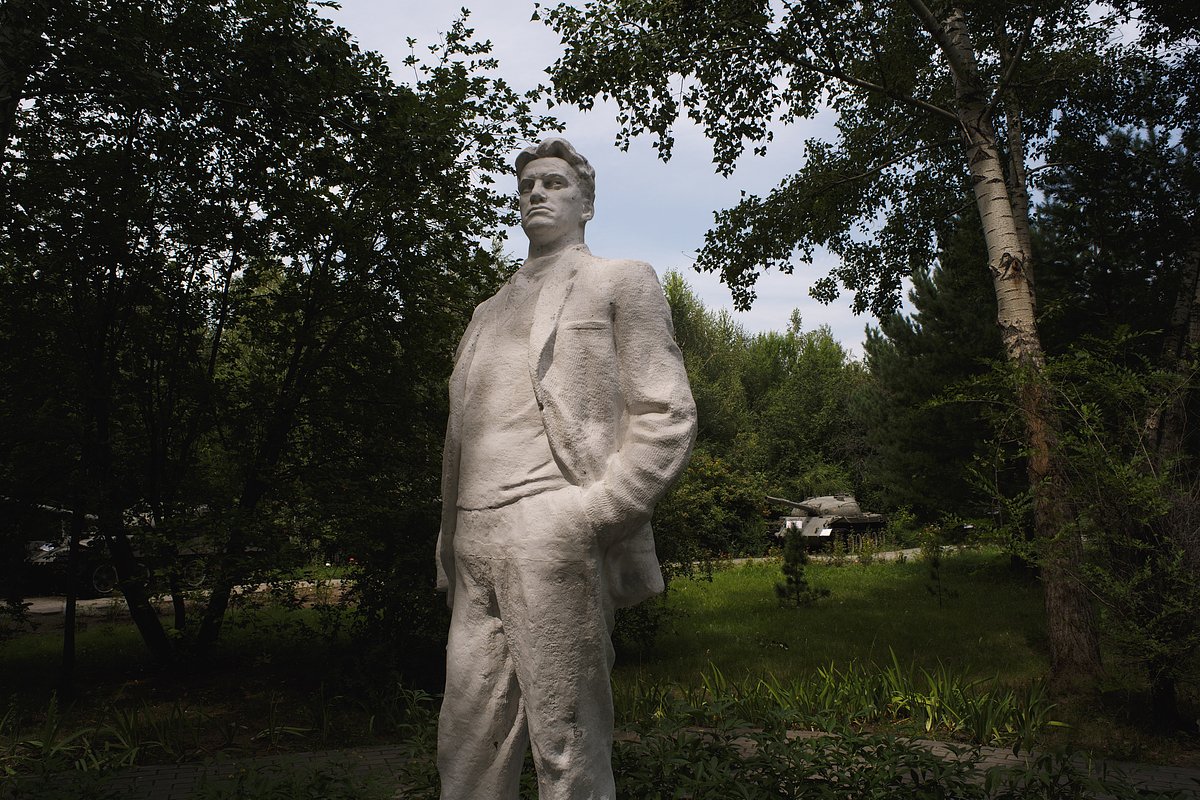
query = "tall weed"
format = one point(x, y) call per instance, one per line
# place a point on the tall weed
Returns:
point(662, 759)
point(939, 701)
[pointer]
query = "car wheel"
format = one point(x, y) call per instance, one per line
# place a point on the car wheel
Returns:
point(104, 579)
point(193, 573)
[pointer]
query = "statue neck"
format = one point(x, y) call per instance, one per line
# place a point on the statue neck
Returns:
point(535, 266)
point(555, 246)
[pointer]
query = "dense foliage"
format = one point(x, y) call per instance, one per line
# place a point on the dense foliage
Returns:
point(235, 260)
point(772, 410)
point(924, 447)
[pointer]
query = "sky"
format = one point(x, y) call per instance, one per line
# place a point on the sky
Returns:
point(645, 209)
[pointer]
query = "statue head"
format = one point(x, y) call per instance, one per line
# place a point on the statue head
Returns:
point(558, 147)
point(556, 187)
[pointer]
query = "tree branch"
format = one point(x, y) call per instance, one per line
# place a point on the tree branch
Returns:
point(834, 72)
point(106, 91)
point(1050, 165)
point(881, 167)
point(1012, 60)
point(938, 32)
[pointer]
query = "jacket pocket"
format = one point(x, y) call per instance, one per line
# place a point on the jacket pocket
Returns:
point(587, 325)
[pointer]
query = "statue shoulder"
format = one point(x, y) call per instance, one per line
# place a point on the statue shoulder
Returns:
point(624, 271)
point(478, 312)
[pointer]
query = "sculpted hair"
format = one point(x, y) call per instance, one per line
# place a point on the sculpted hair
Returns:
point(557, 147)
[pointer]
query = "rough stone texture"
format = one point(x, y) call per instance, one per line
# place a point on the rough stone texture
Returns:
point(570, 416)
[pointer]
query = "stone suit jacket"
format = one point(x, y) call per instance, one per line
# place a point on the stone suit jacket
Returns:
point(614, 397)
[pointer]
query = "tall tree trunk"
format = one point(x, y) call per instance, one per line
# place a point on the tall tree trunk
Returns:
point(274, 443)
point(1164, 433)
point(253, 490)
point(131, 575)
point(1070, 619)
point(66, 677)
point(1019, 198)
point(1018, 191)
point(225, 580)
point(1018, 177)
point(99, 469)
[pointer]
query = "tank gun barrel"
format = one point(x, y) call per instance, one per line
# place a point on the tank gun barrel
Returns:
point(795, 504)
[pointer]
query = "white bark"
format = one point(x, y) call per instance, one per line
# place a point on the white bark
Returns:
point(1071, 628)
point(1007, 253)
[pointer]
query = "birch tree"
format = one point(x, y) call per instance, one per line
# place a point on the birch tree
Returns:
point(937, 104)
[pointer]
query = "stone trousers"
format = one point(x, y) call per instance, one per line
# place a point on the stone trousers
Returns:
point(529, 656)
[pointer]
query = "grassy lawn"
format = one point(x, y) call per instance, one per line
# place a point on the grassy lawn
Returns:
point(280, 681)
point(988, 628)
point(277, 681)
point(989, 623)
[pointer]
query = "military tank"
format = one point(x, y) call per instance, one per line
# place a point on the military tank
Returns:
point(822, 520)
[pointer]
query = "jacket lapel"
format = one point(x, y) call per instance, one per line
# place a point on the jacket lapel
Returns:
point(548, 312)
point(462, 367)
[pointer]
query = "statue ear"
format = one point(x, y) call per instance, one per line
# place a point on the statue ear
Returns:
point(588, 213)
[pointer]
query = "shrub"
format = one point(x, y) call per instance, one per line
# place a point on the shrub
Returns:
point(795, 589)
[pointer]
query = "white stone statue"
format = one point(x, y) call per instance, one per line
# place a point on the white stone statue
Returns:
point(570, 416)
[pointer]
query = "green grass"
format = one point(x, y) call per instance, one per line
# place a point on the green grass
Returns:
point(993, 626)
point(276, 641)
point(281, 680)
point(274, 682)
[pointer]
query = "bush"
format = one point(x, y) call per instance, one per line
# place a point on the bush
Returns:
point(715, 510)
point(795, 589)
point(400, 623)
point(902, 529)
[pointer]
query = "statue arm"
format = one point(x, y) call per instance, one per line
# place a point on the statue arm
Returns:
point(657, 442)
point(444, 555)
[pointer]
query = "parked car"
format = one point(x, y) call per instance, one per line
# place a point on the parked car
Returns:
point(49, 568)
point(49, 571)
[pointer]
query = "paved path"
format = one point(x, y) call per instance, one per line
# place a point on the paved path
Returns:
point(184, 781)
point(114, 605)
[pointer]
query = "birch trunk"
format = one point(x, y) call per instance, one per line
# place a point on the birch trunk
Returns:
point(1018, 183)
point(1018, 177)
point(1070, 619)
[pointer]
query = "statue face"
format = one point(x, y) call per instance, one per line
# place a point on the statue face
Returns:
point(551, 200)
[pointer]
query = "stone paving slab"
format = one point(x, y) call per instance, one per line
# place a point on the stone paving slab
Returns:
point(184, 781)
